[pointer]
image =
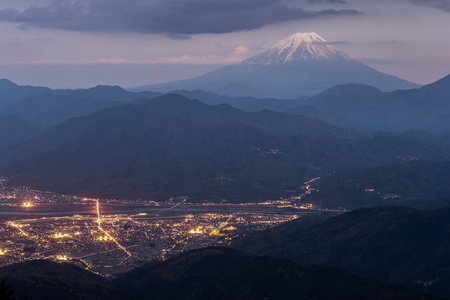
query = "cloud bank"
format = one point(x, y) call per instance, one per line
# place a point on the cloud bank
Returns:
point(440, 4)
point(175, 18)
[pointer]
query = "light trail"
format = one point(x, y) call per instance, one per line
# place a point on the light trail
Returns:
point(312, 180)
point(226, 222)
point(18, 228)
point(170, 208)
point(99, 222)
point(129, 218)
point(99, 219)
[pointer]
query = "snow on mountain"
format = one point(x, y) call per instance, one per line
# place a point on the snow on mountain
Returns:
point(303, 64)
point(298, 47)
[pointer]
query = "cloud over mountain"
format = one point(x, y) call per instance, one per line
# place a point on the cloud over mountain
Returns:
point(178, 18)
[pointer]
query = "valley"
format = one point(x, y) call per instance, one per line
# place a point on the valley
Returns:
point(112, 236)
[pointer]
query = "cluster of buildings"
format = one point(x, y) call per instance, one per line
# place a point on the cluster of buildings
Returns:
point(108, 238)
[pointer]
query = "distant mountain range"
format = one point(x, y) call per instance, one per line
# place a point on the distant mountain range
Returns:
point(174, 146)
point(211, 273)
point(359, 106)
point(392, 244)
point(303, 64)
point(11, 92)
point(171, 146)
point(44, 107)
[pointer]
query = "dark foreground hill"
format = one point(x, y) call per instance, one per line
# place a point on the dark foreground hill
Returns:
point(44, 280)
point(211, 273)
point(392, 244)
point(221, 273)
point(172, 146)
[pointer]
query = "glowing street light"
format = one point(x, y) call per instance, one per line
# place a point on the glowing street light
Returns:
point(27, 204)
point(62, 257)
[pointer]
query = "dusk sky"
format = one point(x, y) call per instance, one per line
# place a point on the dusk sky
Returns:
point(70, 44)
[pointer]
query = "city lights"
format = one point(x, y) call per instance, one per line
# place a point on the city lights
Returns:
point(27, 204)
point(61, 235)
point(62, 257)
point(109, 236)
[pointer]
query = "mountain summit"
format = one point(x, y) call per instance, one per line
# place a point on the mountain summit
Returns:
point(303, 64)
point(298, 47)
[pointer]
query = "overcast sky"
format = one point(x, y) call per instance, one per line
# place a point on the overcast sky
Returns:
point(82, 43)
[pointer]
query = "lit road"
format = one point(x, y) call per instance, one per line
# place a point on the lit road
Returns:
point(99, 221)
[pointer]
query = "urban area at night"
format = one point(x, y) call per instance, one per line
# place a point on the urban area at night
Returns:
point(109, 236)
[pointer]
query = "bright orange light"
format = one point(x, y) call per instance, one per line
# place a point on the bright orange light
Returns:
point(105, 238)
point(230, 228)
point(62, 257)
point(61, 235)
point(27, 204)
point(197, 230)
point(2, 252)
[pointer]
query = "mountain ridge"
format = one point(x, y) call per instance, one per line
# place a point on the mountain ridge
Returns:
point(161, 148)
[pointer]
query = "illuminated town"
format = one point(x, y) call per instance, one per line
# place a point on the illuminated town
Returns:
point(111, 236)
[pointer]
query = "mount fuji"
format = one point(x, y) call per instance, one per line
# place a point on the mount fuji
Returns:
point(297, 48)
point(300, 65)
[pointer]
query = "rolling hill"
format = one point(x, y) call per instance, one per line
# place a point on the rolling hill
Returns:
point(391, 244)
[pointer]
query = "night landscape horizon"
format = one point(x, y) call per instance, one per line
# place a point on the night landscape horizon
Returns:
point(198, 149)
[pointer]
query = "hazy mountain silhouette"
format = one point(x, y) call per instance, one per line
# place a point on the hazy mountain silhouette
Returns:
point(426, 108)
point(351, 89)
point(10, 92)
point(13, 130)
point(360, 107)
point(45, 107)
point(46, 110)
point(114, 93)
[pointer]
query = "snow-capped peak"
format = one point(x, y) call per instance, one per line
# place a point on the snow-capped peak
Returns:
point(295, 40)
point(298, 47)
